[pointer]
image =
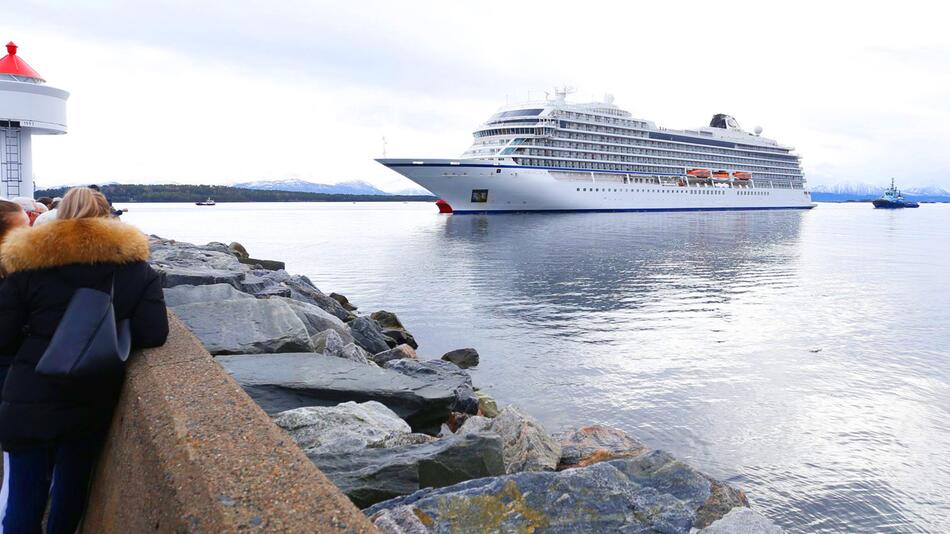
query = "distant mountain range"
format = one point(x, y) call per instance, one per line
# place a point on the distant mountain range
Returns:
point(355, 187)
point(858, 191)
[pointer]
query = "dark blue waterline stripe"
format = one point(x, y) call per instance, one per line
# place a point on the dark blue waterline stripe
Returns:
point(598, 210)
point(493, 166)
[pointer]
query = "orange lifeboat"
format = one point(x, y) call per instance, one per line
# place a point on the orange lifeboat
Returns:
point(721, 175)
point(699, 173)
point(739, 175)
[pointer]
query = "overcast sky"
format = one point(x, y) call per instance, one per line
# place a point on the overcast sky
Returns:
point(219, 92)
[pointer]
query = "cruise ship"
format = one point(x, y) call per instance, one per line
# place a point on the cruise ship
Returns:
point(557, 155)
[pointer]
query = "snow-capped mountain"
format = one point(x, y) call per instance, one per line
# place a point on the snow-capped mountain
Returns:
point(849, 188)
point(928, 190)
point(303, 186)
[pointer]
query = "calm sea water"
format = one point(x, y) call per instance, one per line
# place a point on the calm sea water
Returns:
point(804, 356)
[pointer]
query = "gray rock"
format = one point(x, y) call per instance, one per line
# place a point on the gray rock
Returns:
point(343, 428)
point(441, 372)
point(270, 265)
point(650, 493)
point(184, 263)
point(486, 405)
point(387, 320)
point(279, 382)
point(464, 358)
point(737, 521)
point(476, 423)
point(400, 520)
point(350, 351)
point(527, 446)
point(318, 341)
point(245, 326)
point(173, 275)
point(399, 352)
point(372, 475)
point(302, 289)
point(256, 284)
point(238, 250)
point(214, 246)
point(187, 294)
point(316, 320)
point(596, 443)
point(367, 334)
point(345, 302)
point(273, 291)
point(401, 337)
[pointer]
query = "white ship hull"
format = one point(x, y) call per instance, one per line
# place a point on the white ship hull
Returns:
point(510, 188)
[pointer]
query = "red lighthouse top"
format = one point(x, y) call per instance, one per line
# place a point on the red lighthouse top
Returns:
point(12, 64)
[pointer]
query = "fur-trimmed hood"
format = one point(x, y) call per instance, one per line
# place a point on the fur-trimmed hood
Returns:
point(69, 241)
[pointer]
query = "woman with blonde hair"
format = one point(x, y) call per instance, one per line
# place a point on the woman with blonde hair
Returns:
point(51, 431)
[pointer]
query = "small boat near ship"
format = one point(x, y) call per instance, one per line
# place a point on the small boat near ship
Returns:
point(209, 202)
point(893, 199)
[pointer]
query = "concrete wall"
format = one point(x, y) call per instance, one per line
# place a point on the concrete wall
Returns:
point(190, 452)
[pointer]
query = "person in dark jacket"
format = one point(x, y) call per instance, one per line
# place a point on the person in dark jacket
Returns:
point(12, 216)
point(51, 432)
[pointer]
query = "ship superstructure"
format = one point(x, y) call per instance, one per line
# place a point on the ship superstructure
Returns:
point(556, 155)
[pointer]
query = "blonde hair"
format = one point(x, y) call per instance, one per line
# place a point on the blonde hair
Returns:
point(81, 203)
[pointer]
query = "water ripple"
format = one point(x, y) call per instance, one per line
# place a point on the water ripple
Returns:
point(801, 355)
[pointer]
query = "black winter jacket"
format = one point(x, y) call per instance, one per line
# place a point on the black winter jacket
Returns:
point(45, 265)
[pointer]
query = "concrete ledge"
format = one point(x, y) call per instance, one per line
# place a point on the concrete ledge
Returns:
point(189, 451)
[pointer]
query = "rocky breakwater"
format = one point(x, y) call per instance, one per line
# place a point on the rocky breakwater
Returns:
point(410, 439)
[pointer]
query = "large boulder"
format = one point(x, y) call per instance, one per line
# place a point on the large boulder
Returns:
point(464, 358)
point(400, 520)
point(392, 327)
point(260, 284)
point(596, 443)
point(302, 289)
point(245, 326)
point(527, 446)
point(742, 521)
point(371, 475)
point(442, 373)
point(399, 352)
point(369, 335)
point(316, 319)
point(279, 382)
point(188, 294)
point(401, 337)
point(238, 250)
point(268, 265)
point(345, 302)
point(486, 404)
point(335, 346)
point(387, 319)
point(652, 492)
point(346, 427)
point(184, 263)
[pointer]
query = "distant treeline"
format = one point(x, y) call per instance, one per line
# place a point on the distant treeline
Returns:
point(195, 193)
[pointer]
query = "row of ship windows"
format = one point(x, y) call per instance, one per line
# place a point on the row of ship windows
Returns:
point(625, 139)
point(564, 134)
point(625, 167)
point(662, 160)
point(633, 124)
point(670, 191)
point(678, 154)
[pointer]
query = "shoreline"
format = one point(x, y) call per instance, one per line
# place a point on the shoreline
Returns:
point(410, 438)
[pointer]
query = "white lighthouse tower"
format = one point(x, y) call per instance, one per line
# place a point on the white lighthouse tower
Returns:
point(27, 107)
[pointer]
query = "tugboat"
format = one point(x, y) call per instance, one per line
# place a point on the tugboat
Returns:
point(209, 202)
point(893, 199)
